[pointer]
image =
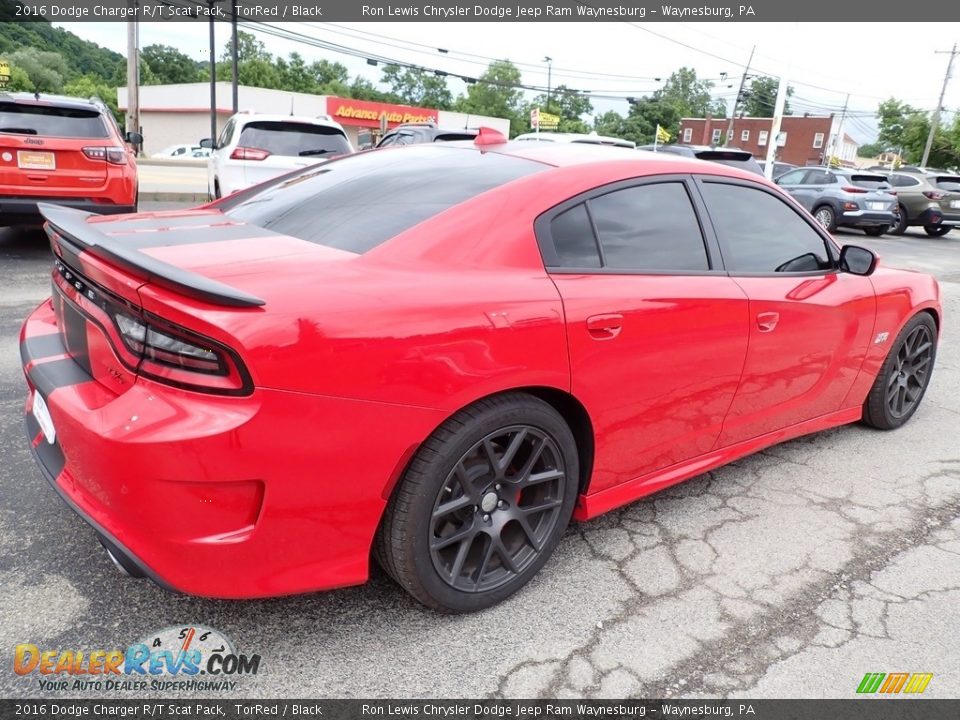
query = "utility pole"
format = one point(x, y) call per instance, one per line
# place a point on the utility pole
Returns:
point(213, 77)
point(736, 102)
point(133, 76)
point(935, 120)
point(838, 137)
point(775, 128)
point(549, 61)
point(235, 60)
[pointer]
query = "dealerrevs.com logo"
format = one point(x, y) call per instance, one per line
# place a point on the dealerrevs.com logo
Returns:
point(185, 658)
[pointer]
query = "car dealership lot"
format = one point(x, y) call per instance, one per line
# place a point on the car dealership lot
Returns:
point(790, 573)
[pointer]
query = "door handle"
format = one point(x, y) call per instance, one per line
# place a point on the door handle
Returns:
point(605, 327)
point(767, 321)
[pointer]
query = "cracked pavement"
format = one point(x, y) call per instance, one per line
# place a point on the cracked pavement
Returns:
point(789, 573)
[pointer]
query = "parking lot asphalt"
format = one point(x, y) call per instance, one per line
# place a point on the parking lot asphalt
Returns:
point(791, 573)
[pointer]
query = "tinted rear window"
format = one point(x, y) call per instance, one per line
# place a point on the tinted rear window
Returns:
point(358, 202)
point(871, 182)
point(294, 139)
point(47, 121)
point(950, 183)
point(451, 137)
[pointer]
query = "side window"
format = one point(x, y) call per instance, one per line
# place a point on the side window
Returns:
point(818, 177)
point(226, 134)
point(760, 233)
point(903, 181)
point(573, 238)
point(387, 140)
point(687, 134)
point(649, 227)
point(794, 177)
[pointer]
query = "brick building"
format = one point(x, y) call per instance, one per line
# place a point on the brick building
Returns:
point(803, 140)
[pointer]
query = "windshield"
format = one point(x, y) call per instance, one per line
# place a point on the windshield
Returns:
point(49, 121)
point(294, 139)
point(360, 201)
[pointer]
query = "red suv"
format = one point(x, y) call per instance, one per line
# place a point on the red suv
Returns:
point(65, 150)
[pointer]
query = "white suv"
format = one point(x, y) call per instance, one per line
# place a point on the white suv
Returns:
point(253, 148)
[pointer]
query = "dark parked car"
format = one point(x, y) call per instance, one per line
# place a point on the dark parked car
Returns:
point(415, 133)
point(734, 157)
point(779, 168)
point(838, 197)
point(929, 200)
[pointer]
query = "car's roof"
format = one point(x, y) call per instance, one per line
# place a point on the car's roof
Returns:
point(572, 154)
point(50, 101)
point(246, 117)
point(585, 138)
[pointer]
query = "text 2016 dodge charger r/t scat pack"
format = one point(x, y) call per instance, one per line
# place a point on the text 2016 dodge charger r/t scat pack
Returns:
point(437, 355)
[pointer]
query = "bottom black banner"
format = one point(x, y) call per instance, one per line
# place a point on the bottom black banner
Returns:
point(854, 709)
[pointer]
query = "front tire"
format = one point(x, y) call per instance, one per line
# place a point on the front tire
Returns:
point(904, 375)
point(482, 505)
point(826, 218)
point(936, 230)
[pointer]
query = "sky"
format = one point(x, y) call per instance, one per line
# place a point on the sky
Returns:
point(615, 60)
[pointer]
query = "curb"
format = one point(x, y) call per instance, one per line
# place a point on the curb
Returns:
point(195, 198)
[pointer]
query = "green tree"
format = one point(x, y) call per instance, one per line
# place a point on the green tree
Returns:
point(871, 150)
point(416, 86)
point(326, 73)
point(45, 70)
point(496, 93)
point(689, 96)
point(168, 65)
point(760, 98)
point(248, 48)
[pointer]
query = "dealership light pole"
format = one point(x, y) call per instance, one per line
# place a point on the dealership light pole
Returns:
point(736, 101)
point(935, 120)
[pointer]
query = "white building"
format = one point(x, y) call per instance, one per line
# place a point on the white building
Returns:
point(174, 114)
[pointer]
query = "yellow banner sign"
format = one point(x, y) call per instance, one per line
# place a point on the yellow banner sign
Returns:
point(4, 73)
point(548, 121)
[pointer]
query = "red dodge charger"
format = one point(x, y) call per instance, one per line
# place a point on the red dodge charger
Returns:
point(438, 355)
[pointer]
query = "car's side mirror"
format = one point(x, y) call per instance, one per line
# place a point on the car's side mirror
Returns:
point(134, 138)
point(207, 143)
point(857, 260)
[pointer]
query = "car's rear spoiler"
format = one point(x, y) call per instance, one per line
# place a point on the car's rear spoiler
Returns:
point(741, 155)
point(72, 225)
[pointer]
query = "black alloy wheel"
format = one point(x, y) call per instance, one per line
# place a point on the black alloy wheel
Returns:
point(904, 376)
point(497, 508)
point(482, 505)
point(901, 221)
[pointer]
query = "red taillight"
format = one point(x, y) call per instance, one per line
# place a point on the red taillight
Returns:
point(113, 155)
point(852, 189)
point(934, 195)
point(248, 153)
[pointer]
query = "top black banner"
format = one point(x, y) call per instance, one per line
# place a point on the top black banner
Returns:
point(476, 11)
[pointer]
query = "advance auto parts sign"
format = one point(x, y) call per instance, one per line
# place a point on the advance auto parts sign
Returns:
point(367, 114)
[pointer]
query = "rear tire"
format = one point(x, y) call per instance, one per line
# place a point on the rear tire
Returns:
point(900, 226)
point(936, 230)
point(826, 218)
point(482, 505)
point(876, 231)
point(904, 376)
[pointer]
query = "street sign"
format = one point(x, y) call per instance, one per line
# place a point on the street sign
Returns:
point(535, 118)
point(548, 121)
point(4, 73)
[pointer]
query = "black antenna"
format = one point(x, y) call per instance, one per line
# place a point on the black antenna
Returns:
point(36, 95)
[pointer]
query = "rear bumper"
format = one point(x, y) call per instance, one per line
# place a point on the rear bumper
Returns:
point(230, 497)
point(935, 215)
point(865, 218)
point(25, 208)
